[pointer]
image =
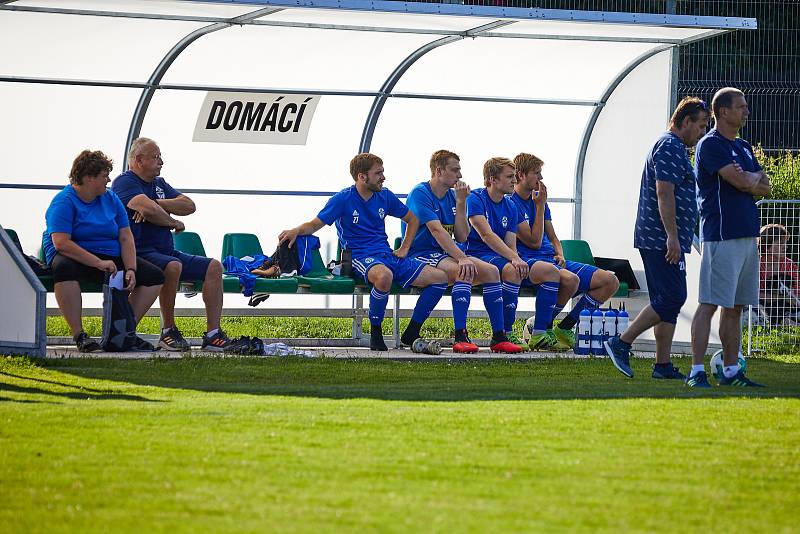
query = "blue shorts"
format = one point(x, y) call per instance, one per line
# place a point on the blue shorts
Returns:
point(431, 258)
point(500, 261)
point(404, 270)
point(583, 271)
point(194, 267)
point(666, 283)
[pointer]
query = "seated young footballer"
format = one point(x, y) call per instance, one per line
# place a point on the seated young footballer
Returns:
point(537, 241)
point(359, 213)
point(493, 238)
point(440, 206)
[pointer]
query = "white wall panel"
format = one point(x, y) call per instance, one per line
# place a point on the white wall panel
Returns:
point(410, 130)
point(46, 126)
point(18, 313)
point(521, 68)
point(267, 56)
point(46, 45)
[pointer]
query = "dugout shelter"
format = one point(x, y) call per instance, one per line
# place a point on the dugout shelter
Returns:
point(258, 106)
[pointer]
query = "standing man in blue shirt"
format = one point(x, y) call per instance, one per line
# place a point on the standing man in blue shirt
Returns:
point(151, 202)
point(664, 231)
point(537, 242)
point(359, 212)
point(495, 221)
point(728, 176)
point(440, 206)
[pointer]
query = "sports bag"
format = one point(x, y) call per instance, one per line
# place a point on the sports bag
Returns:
point(119, 323)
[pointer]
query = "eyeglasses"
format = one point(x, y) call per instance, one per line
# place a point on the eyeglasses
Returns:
point(702, 105)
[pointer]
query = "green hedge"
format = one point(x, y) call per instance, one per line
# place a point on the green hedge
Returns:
point(783, 169)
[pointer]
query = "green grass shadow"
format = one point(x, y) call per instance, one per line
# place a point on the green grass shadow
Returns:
point(447, 381)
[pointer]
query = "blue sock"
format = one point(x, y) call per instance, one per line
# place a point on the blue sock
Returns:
point(546, 294)
point(585, 302)
point(461, 295)
point(493, 302)
point(377, 306)
point(556, 310)
point(427, 301)
point(510, 298)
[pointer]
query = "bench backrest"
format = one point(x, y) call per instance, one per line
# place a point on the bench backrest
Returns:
point(577, 250)
point(240, 245)
point(188, 242)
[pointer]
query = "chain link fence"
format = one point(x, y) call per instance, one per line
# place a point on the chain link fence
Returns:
point(774, 327)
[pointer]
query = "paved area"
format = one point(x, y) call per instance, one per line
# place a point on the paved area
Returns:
point(69, 351)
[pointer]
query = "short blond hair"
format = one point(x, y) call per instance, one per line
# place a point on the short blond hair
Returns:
point(525, 163)
point(493, 166)
point(440, 159)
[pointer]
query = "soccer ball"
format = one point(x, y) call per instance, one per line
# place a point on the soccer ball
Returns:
point(527, 329)
point(717, 365)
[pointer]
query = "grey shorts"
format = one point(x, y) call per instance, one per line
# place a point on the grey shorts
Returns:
point(729, 273)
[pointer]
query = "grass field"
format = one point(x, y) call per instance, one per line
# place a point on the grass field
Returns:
point(291, 445)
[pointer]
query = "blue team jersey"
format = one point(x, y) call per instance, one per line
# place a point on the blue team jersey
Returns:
point(427, 207)
point(527, 209)
point(360, 223)
point(503, 217)
point(92, 225)
point(667, 161)
point(149, 237)
point(725, 212)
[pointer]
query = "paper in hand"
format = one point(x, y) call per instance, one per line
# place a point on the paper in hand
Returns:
point(117, 280)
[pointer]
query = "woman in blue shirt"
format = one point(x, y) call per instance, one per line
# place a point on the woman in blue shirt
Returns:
point(87, 236)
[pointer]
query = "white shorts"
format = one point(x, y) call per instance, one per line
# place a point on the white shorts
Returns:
point(729, 273)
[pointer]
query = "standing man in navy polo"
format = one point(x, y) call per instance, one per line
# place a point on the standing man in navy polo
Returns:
point(665, 225)
point(728, 176)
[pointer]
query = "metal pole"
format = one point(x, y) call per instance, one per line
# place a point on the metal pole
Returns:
point(166, 62)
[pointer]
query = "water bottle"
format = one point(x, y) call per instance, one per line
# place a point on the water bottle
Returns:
point(622, 320)
point(609, 323)
point(596, 338)
point(584, 333)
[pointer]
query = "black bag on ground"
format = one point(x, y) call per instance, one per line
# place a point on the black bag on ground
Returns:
point(119, 323)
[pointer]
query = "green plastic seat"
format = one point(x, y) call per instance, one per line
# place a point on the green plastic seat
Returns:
point(188, 242)
point(580, 251)
point(319, 280)
point(240, 245)
point(577, 250)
